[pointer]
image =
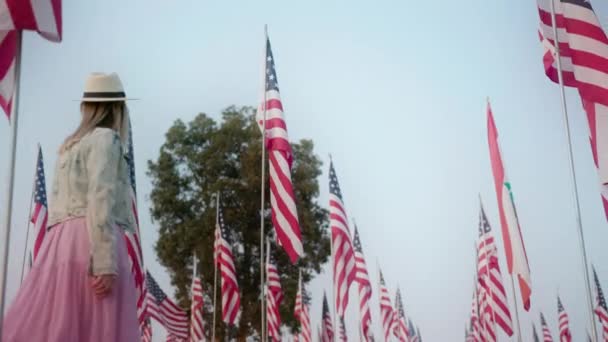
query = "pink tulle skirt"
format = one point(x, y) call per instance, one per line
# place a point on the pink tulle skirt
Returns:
point(56, 302)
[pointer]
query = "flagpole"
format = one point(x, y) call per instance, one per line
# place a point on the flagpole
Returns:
point(332, 263)
point(262, 195)
point(573, 173)
point(516, 309)
point(217, 223)
point(11, 175)
point(29, 220)
point(266, 286)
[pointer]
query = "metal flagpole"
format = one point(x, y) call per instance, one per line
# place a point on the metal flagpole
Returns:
point(573, 174)
point(11, 176)
point(217, 223)
point(29, 221)
point(516, 309)
point(331, 245)
point(266, 287)
point(262, 188)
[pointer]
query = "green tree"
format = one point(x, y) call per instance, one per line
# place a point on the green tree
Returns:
point(203, 157)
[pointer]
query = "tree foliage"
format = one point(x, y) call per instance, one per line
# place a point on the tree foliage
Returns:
point(203, 157)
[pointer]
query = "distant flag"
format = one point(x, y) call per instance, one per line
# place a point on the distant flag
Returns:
point(197, 328)
point(546, 332)
point(365, 286)
point(601, 310)
point(386, 308)
point(564, 329)
point(475, 325)
point(39, 215)
point(342, 333)
point(224, 259)
point(132, 237)
point(534, 334)
point(342, 246)
point(412, 330)
point(517, 260)
point(43, 16)
point(280, 158)
point(274, 297)
point(584, 56)
point(488, 271)
point(327, 330)
point(302, 314)
point(400, 321)
point(165, 311)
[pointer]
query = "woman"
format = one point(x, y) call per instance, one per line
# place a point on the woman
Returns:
point(80, 288)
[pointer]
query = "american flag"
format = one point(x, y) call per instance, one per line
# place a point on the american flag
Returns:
point(412, 330)
point(400, 321)
point(302, 315)
point(132, 238)
point(486, 323)
point(342, 331)
point(165, 311)
point(274, 297)
point(534, 334)
point(197, 327)
point(280, 156)
point(43, 16)
point(386, 308)
point(343, 251)
point(583, 48)
point(39, 214)
point(224, 260)
point(147, 331)
point(475, 329)
point(601, 309)
point(327, 329)
point(546, 332)
point(564, 329)
point(515, 250)
point(490, 277)
point(365, 286)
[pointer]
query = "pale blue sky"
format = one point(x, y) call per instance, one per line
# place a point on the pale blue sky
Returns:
point(395, 90)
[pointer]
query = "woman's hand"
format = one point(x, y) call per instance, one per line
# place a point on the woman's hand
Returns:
point(102, 285)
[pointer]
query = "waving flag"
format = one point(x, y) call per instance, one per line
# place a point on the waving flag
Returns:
point(274, 297)
point(400, 321)
point(365, 287)
point(343, 252)
point(386, 308)
point(147, 331)
point(486, 320)
point(517, 260)
point(342, 333)
point(197, 328)
point(327, 330)
point(564, 329)
point(583, 51)
point(132, 238)
point(490, 277)
point(280, 156)
point(231, 299)
point(43, 16)
point(302, 315)
point(601, 309)
point(40, 211)
point(546, 332)
point(165, 311)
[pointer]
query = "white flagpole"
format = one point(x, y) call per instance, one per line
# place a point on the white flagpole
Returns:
point(573, 175)
point(11, 176)
point(217, 223)
point(29, 217)
point(262, 195)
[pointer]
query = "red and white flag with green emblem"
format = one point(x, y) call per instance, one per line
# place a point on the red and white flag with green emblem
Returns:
point(517, 260)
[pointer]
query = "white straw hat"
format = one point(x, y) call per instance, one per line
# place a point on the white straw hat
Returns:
point(100, 87)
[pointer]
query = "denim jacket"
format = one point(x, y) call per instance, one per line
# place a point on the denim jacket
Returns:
point(91, 181)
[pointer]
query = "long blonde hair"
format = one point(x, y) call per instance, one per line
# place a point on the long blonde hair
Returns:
point(114, 115)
